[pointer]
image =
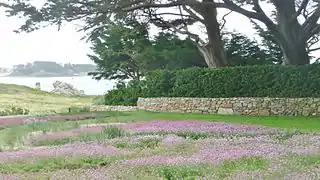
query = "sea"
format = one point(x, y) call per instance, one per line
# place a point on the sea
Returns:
point(86, 83)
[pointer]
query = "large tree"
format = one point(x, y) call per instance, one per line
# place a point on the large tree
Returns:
point(171, 52)
point(243, 51)
point(124, 51)
point(294, 25)
point(96, 13)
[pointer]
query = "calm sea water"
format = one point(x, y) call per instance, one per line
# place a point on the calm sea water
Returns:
point(86, 83)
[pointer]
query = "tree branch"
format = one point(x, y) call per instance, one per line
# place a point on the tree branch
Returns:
point(147, 5)
point(198, 18)
point(229, 4)
point(175, 14)
point(302, 7)
point(311, 23)
point(258, 15)
point(193, 36)
point(315, 49)
point(224, 19)
point(315, 30)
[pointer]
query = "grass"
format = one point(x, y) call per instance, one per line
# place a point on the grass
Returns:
point(142, 144)
point(56, 163)
point(173, 172)
point(193, 171)
point(38, 101)
point(110, 132)
point(13, 136)
point(306, 161)
point(42, 102)
point(304, 124)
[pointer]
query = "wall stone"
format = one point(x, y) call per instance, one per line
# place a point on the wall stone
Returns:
point(113, 108)
point(237, 106)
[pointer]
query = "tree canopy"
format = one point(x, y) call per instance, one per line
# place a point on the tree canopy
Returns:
point(126, 51)
point(122, 52)
point(293, 23)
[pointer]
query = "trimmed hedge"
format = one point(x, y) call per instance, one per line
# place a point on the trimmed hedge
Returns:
point(123, 95)
point(245, 81)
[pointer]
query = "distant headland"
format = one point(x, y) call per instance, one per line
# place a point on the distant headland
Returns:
point(47, 69)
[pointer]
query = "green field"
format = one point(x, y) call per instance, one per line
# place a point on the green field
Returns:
point(173, 145)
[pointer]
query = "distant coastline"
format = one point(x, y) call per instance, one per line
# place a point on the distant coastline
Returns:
point(42, 74)
point(47, 69)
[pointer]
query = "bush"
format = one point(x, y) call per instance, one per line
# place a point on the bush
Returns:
point(14, 111)
point(75, 109)
point(123, 95)
point(247, 81)
point(98, 100)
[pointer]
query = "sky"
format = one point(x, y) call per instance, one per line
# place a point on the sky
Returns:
point(65, 46)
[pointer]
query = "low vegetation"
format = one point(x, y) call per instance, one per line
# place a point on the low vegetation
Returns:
point(16, 100)
point(148, 145)
point(138, 146)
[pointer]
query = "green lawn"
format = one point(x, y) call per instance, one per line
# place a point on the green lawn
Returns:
point(305, 124)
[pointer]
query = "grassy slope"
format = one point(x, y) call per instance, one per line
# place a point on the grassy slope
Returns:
point(37, 101)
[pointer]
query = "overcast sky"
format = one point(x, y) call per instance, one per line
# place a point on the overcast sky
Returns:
point(65, 45)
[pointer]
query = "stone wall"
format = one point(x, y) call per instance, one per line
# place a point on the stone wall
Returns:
point(113, 108)
point(240, 106)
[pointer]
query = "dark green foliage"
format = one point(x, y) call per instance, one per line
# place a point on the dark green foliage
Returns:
point(242, 51)
point(161, 83)
point(171, 52)
point(273, 48)
point(125, 51)
point(250, 81)
point(125, 95)
point(122, 52)
point(75, 109)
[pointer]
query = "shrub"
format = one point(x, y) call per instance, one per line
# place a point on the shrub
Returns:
point(159, 83)
point(247, 81)
point(14, 111)
point(98, 100)
point(75, 109)
point(123, 95)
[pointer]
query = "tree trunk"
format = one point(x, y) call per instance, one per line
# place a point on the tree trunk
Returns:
point(295, 54)
point(291, 38)
point(289, 33)
point(209, 58)
point(213, 52)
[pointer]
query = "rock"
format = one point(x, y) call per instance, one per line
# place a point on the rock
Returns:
point(225, 111)
point(65, 88)
point(264, 112)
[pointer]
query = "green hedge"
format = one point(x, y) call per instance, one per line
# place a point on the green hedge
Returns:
point(247, 81)
point(123, 95)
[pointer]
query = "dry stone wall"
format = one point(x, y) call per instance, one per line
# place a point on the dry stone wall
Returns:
point(239, 106)
point(113, 108)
